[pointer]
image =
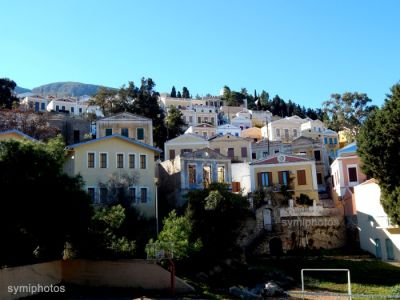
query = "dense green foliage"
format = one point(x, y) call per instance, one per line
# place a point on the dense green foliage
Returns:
point(379, 148)
point(42, 208)
point(347, 112)
point(208, 228)
point(173, 92)
point(175, 123)
point(7, 99)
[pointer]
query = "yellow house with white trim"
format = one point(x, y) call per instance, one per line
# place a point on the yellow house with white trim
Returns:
point(298, 172)
point(119, 158)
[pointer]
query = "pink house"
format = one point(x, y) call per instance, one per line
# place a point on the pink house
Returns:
point(346, 173)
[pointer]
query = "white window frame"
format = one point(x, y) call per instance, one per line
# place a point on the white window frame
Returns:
point(87, 159)
point(140, 162)
point(116, 160)
point(135, 161)
point(353, 183)
point(106, 153)
point(140, 195)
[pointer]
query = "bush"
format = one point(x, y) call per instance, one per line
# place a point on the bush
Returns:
point(304, 200)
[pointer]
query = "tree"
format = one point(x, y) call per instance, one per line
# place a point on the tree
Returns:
point(173, 92)
point(179, 95)
point(105, 99)
point(42, 208)
point(7, 99)
point(176, 235)
point(175, 123)
point(347, 112)
point(185, 92)
point(378, 146)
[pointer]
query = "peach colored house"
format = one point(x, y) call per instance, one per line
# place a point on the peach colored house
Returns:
point(346, 174)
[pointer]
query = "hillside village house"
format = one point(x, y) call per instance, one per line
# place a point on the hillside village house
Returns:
point(119, 157)
point(253, 133)
point(35, 102)
point(205, 130)
point(229, 112)
point(264, 148)
point(241, 122)
point(346, 174)
point(15, 134)
point(228, 129)
point(126, 124)
point(71, 106)
point(194, 170)
point(187, 142)
point(284, 130)
point(166, 101)
point(236, 148)
point(297, 172)
point(196, 115)
point(260, 117)
point(377, 235)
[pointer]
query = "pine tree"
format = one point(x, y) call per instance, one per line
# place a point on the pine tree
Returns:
point(173, 92)
point(378, 146)
point(179, 95)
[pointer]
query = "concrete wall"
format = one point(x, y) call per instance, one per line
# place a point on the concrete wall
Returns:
point(142, 274)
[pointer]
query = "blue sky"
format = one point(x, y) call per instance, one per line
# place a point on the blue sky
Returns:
point(301, 50)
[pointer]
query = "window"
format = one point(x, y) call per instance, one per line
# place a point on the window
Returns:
point(120, 160)
point(283, 177)
point(204, 133)
point(91, 160)
point(91, 192)
point(42, 106)
point(335, 141)
point(294, 132)
point(231, 152)
point(198, 120)
point(125, 132)
point(103, 160)
point(143, 195)
point(221, 174)
point(212, 120)
point(205, 119)
point(325, 140)
point(132, 195)
point(301, 177)
point(142, 161)
point(131, 161)
point(36, 106)
point(103, 195)
point(264, 179)
point(278, 132)
point(244, 152)
point(317, 155)
point(63, 107)
point(253, 155)
point(352, 174)
point(57, 108)
point(190, 119)
point(140, 133)
point(330, 141)
point(319, 178)
point(171, 154)
point(286, 133)
point(108, 131)
point(265, 154)
point(235, 187)
point(80, 110)
point(183, 151)
point(192, 174)
point(206, 176)
point(72, 109)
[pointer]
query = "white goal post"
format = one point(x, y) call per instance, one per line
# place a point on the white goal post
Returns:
point(327, 270)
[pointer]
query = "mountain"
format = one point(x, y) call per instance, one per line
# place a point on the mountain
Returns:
point(66, 89)
point(21, 90)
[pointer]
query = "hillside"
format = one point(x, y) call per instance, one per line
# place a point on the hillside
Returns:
point(66, 89)
point(20, 90)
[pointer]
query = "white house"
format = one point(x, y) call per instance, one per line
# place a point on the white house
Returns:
point(285, 130)
point(241, 122)
point(377, 235)
point(35, 102)
point(71, 106)
point(260, 117)
point(228, 129)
